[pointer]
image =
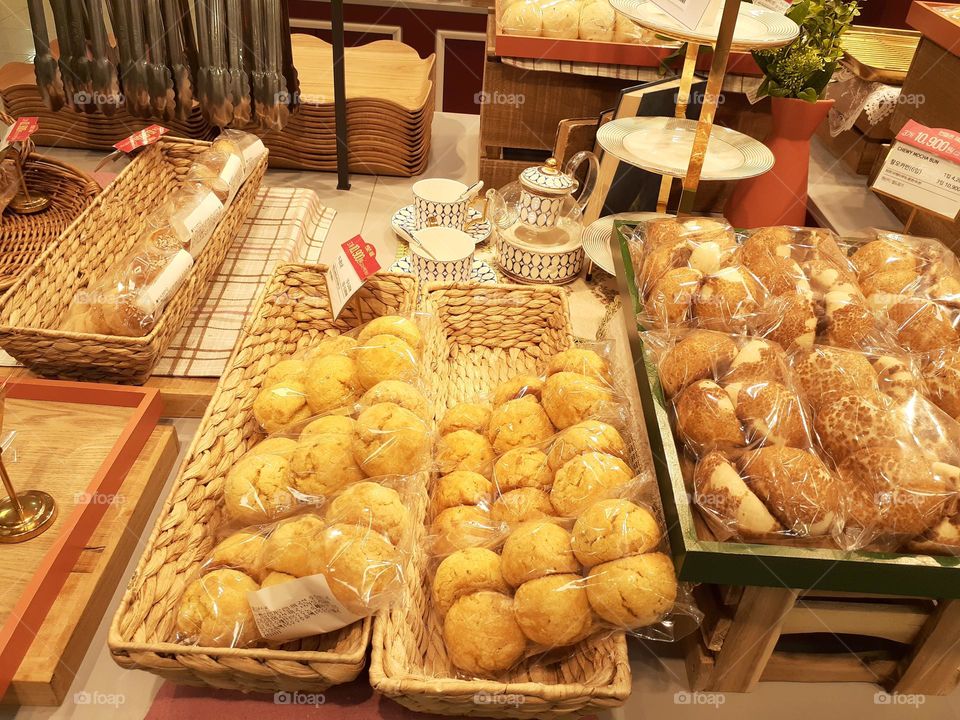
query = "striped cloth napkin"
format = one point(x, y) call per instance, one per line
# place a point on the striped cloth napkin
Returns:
point(284, 225)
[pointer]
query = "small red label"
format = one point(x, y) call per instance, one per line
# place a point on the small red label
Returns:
point(941, 142)
point(362, 255)
point(22, 129)
point(141, 138)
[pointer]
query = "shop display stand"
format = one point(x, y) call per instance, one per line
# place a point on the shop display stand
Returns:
point(718, 69)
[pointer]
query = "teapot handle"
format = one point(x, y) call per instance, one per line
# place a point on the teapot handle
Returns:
point(573, 164)
point(496, 209)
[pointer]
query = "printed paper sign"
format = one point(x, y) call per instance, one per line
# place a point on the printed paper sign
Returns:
point(923, 169)
point(356, 261)
point(141, 138)
point(691, 12)
point(21, 130)
point(298, 608)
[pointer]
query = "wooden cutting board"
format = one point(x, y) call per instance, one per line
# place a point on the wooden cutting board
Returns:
point(46, 673)
point(384, 69)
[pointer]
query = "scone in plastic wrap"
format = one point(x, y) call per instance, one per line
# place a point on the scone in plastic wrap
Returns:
point(552, 584)
point(321, 457)
point(376, 363)
point(895, 454)
point(310, 573)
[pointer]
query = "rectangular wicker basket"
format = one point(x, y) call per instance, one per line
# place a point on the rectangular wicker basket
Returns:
point(479, 336)
point(293, 313)
point(33, 308)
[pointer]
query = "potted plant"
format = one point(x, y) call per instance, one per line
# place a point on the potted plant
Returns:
point(795, 78)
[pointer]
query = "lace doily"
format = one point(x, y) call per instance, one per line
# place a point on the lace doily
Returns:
point(855, 97)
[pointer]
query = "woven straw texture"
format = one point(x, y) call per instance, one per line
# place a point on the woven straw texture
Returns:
point(479, 336)
point(33, 308)
point(24, 237)
point(293, 313)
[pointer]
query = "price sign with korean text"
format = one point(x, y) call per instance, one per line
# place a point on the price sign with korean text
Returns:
point(923, 169)
point(356, 261)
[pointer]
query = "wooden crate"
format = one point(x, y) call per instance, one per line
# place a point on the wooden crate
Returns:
point(753, 634)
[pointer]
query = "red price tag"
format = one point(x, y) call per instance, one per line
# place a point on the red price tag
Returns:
point(22, 129)
point(141, 138)
point(362, 255)
point(941, 142)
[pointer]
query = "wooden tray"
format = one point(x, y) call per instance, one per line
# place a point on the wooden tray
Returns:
point(932, 22)
point(382, 70)
point(70, 460)
point(701, 559)
point(51, 663)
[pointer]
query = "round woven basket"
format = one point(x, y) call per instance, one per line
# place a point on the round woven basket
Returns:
point(24, 237)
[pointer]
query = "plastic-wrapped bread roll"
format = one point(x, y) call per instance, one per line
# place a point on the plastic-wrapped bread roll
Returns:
point(627, 31)
point(597, 19)
point(561, 18)
point(727, 501)
point(522, 17)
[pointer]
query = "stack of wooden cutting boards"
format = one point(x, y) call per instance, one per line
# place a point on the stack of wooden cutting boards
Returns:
point(71, 129)
point(390, 102)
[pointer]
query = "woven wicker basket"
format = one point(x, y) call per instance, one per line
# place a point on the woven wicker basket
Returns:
point(32, 309)
point(293, 313)
point(24, 237)
point(478, 337)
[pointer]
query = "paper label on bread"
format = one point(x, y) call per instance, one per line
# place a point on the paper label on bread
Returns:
point(298, 608)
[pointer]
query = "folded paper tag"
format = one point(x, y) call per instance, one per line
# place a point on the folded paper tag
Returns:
point(297, 609)
point(196, 225)
point(155, 295)
point(356, 261)
point(20, 131)
point(147, 136)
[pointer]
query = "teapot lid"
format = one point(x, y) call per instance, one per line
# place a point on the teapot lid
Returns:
point(547, 179)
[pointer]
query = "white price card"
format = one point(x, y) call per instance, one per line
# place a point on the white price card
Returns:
point(691, 12)
point(923, 170)
point(356, 261)
point(298, 608)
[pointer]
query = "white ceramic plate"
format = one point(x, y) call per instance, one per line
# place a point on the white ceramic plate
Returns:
point(405, 220)
point(663, 145)
point(757, 27)
point(482, 272)
point(596, 237)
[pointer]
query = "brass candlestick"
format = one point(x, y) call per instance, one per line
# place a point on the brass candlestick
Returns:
point(22, 515)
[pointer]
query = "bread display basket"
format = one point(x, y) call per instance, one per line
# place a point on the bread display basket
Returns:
point(477, 337)
point(293, 313)
point(34, 306)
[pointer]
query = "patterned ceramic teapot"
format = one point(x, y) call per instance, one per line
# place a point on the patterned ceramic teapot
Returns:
point(543, 189)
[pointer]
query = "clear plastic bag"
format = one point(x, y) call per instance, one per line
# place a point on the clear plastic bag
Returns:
point(376, 364)
point(913, 282)
point(553, 584)
point(309, 573)
point(310, 462)
point(129, 299)
point(219, 168)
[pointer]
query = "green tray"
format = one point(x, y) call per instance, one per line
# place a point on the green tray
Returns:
point(736, 563)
